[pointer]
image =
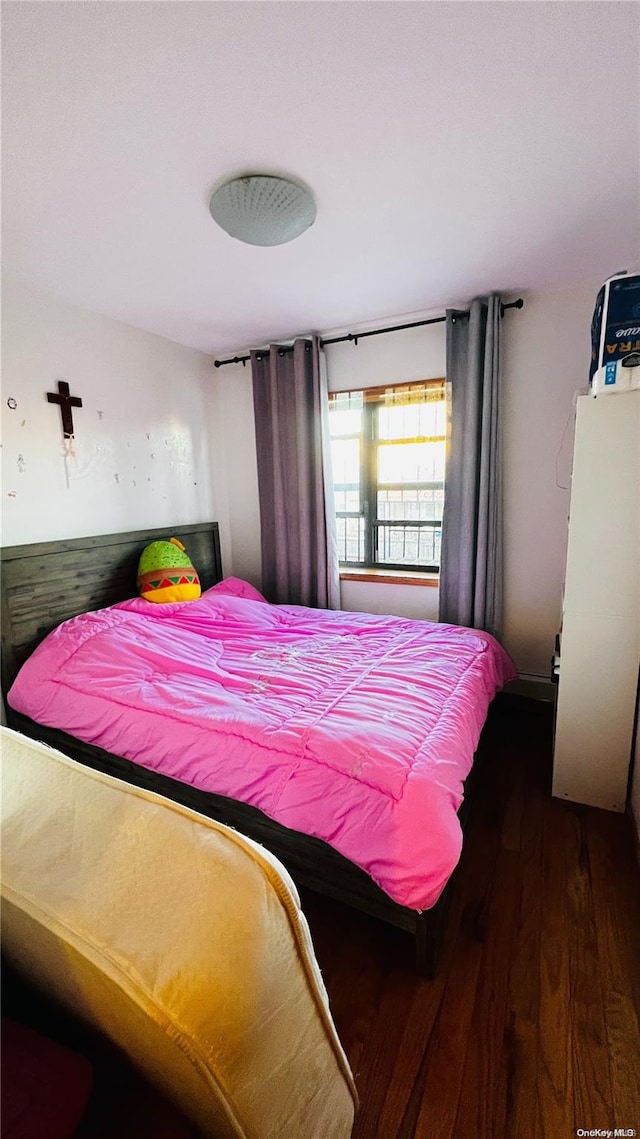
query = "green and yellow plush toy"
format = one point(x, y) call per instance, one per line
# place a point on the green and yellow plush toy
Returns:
point(165, 573)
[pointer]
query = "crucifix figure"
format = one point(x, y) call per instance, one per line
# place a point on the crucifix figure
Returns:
point(66, 402)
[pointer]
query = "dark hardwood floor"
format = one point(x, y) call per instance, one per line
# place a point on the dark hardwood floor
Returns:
point(531, 1028)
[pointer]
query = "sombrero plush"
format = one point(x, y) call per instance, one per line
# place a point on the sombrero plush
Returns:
point(165, 573)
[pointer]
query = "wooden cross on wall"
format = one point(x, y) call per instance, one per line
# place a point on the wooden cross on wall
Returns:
point(66, 402)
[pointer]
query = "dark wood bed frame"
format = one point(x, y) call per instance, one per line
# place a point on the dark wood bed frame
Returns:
point(46, 583)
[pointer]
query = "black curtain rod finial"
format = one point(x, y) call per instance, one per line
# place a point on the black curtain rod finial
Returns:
point(511, 304)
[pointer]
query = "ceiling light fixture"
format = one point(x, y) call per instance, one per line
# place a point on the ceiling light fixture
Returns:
point(262, 209)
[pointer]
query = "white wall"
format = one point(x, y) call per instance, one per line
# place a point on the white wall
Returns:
point(545, 361)
point(395, 358)
point(234, 443)
point(382, 597)
point(546, 352)
point(141, 454)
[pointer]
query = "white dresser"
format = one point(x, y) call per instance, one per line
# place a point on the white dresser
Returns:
point(600, 641)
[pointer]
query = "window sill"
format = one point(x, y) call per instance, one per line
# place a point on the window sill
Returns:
point(391, 577)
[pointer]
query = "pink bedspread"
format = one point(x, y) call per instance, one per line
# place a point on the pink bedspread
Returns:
point(355, 728)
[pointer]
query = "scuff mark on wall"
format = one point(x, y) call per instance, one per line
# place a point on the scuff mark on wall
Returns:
point(68, 452)
point(21, 465)
point(13, 403)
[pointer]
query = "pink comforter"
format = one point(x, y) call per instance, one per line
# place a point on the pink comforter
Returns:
point(355, 728)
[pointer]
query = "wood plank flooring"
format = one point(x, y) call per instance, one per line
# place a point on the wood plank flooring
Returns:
point(531, 1028)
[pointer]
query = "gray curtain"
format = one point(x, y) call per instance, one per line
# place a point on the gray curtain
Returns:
point(297, 518)
point(471, 555)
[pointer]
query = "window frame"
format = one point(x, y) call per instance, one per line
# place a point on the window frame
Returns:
point(372, 400)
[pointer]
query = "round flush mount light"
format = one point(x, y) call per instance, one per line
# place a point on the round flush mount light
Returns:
point(261, 209)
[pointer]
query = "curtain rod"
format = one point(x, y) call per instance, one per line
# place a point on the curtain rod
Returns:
point(356, 336)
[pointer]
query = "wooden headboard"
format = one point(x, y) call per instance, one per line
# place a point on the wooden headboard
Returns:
point(48, 582)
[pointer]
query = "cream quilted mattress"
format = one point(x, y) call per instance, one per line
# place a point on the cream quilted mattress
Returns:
point(179, 938)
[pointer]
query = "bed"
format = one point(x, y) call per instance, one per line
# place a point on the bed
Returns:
point(368, 808)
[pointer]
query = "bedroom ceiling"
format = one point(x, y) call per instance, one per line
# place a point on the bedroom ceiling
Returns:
point(453, 148)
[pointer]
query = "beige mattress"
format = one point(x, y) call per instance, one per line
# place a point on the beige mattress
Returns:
point(179, 938)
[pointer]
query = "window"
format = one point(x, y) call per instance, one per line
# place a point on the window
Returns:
point(388, 451)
